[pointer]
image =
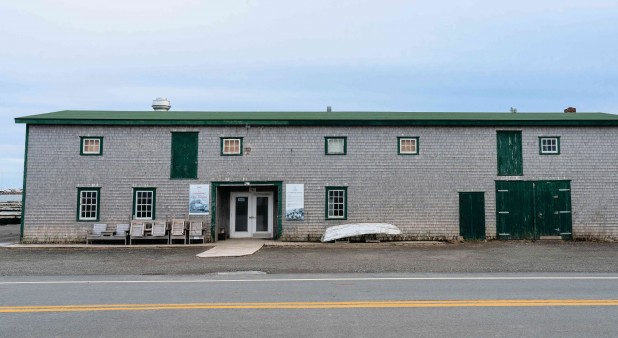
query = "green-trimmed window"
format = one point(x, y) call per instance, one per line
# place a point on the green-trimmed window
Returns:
point(336, 203)
point(335, 145)
point(231, 146)
point(549, 145)
point(144, 203)
point(407, 145)
point(184, 155)
point(88, 201)
point(91, 145)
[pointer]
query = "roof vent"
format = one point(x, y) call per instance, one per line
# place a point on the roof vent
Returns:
point(513, 110)
point(161, 104)
point(570, 110)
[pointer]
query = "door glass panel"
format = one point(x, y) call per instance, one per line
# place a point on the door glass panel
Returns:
point(242, 206)
point(261, 213)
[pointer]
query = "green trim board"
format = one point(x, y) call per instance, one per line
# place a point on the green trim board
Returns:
point(549, 152)
point(288, 118)
point(327, 200)
point(213, 202)
point(223, 139)
point(82, 145)
point(184, 160)
point(23, 190)
point(400, 138)
point(154, 203)
point(329, 151)
point(80, 190)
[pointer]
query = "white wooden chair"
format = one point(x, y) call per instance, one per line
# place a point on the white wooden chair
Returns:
point(196, 231)
point(96, 232)
point(178, 230)
point(137, 231)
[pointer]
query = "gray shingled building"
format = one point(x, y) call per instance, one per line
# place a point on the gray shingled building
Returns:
point(289, 175)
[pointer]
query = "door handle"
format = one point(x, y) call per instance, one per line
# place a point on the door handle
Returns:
point(540, 214)
point(251, 216)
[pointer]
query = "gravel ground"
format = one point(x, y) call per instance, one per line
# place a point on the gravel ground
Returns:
point(493, 256)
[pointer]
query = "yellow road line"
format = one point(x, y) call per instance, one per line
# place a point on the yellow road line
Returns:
point(315, 305)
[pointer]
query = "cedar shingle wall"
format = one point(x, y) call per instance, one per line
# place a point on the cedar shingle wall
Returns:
point(418, 193)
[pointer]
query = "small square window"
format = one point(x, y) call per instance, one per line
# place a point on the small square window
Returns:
point(407, 145)
point(231, 146)
point(91, 145)
point(335, 145)
point(549, 145)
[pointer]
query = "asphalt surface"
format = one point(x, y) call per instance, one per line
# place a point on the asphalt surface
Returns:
point(314, 305)
point(469, 257)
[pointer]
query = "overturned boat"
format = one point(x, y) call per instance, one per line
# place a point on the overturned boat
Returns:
point(359, 229)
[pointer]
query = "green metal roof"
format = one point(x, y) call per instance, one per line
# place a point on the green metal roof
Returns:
point(348, 118)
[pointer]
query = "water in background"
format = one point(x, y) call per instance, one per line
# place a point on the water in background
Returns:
point(10, 198)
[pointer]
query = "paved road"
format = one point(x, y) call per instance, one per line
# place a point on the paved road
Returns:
point(325, 305)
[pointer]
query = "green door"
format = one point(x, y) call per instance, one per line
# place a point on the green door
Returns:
point(184, 155)
point(553, 208)
point(510, 158)
point(472, 215)
point(515, 210)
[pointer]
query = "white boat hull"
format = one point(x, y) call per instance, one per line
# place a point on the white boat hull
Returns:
point(359, 229)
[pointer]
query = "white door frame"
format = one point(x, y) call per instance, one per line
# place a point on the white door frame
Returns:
point(251, 215)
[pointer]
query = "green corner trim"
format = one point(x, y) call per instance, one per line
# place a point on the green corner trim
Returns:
point(23, 190)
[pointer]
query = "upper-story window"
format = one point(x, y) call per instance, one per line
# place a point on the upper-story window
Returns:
point(549, 145)
point(231, 146)
point(407, 145)
point(91, 145)
point(335, 145)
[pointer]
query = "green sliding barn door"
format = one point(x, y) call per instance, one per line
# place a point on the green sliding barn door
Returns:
point(472, 215)
point(515, 210)
point(529, 210)
point(553, 208)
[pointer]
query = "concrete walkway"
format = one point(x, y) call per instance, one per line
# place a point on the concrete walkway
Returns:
point(233, 248)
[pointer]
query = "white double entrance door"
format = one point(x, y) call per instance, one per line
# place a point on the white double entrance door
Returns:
point(251, 214)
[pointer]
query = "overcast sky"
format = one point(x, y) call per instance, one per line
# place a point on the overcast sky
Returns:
point(426, 55)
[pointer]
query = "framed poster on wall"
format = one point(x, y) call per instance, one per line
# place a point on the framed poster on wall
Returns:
point(199, 199)
point(294, 202)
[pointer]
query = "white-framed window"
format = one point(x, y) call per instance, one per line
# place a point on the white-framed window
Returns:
point(88, 204)
point(335, 145)
point(231, 146)
point(407, 145)
point(549, 145)
point(91, 145)
point(144, 202)
point(336, 202)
